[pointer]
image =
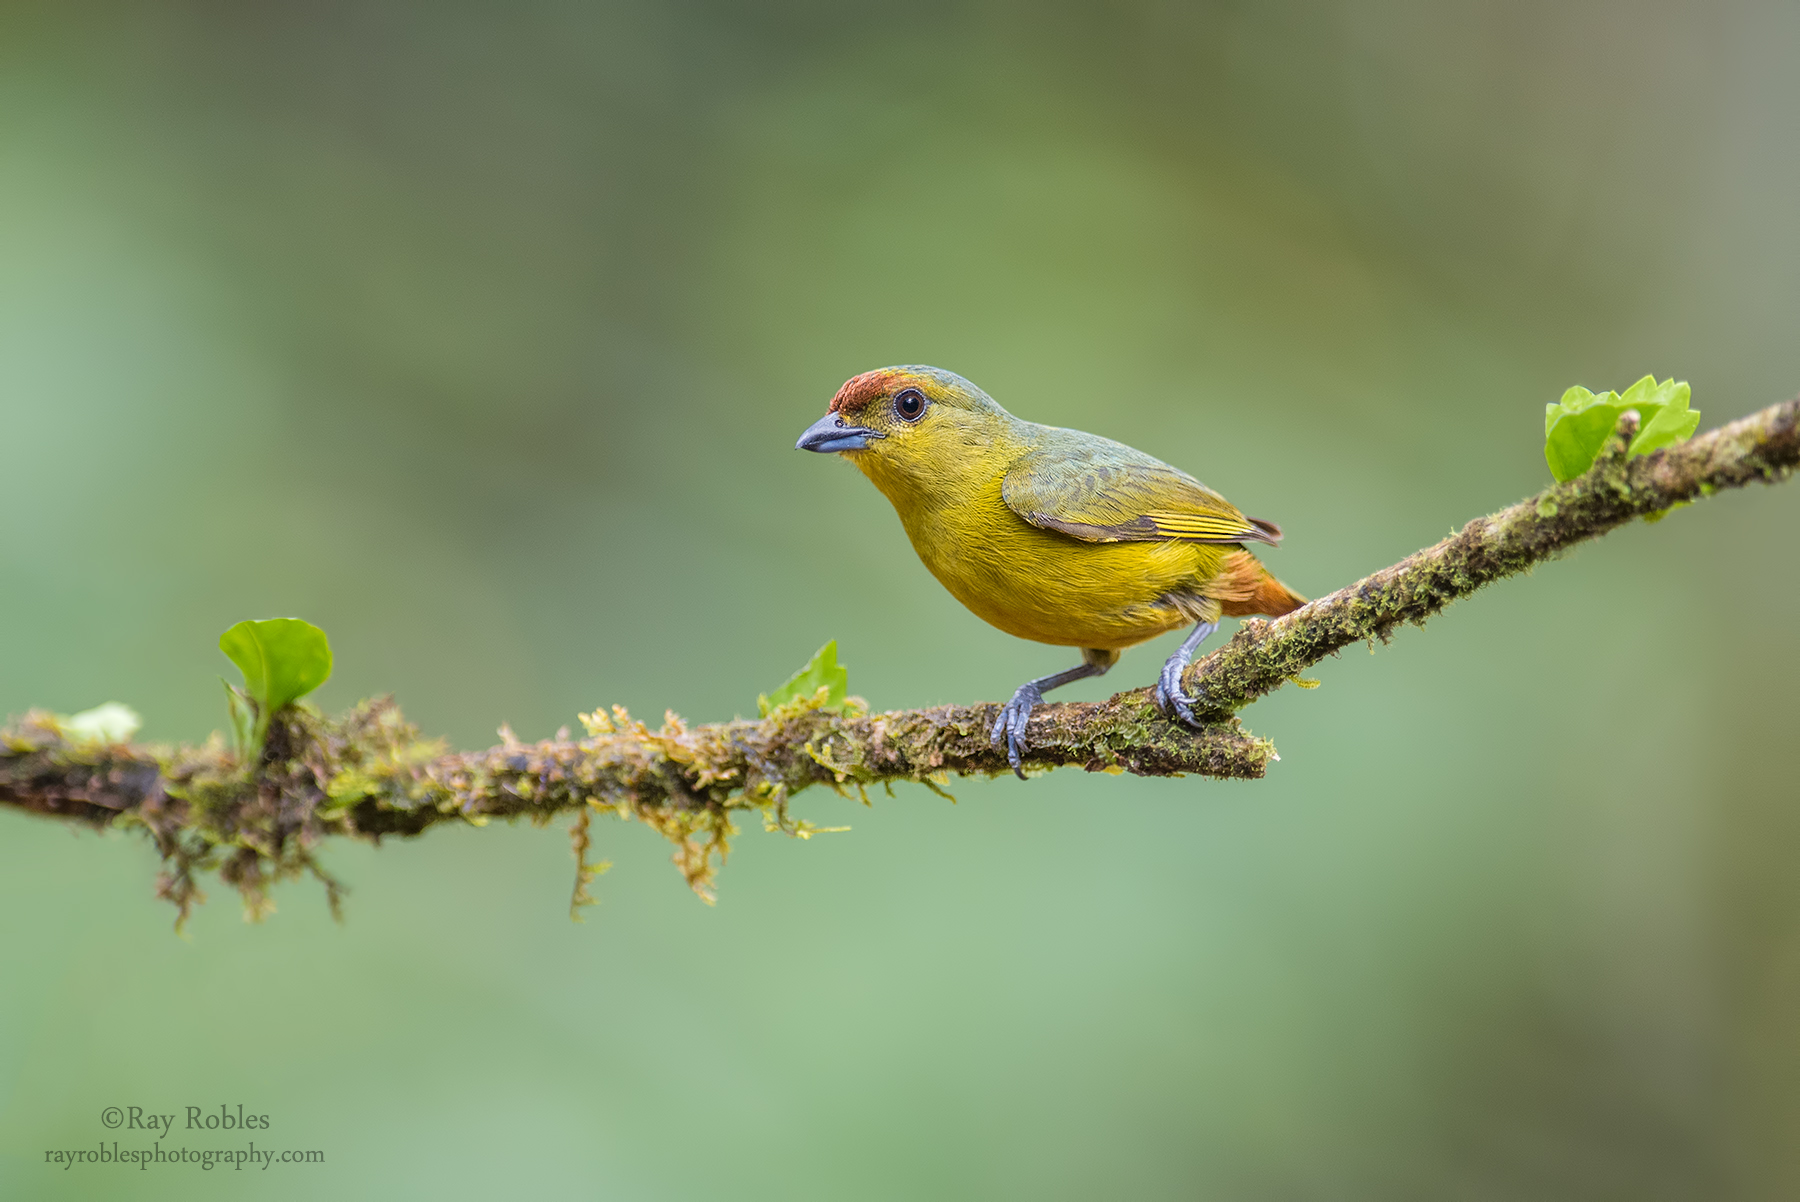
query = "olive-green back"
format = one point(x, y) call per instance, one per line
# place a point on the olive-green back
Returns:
point(1098, 490)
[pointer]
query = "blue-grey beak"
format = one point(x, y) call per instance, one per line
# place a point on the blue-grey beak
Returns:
point(830, 433)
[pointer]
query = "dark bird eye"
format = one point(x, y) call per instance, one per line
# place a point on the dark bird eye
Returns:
point(910, 405)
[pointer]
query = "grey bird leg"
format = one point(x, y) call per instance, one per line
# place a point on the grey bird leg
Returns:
point(1015, 714)
point(1167, 694)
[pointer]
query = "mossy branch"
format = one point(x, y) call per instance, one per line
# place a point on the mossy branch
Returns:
point(1764, 446)
point(368, 774)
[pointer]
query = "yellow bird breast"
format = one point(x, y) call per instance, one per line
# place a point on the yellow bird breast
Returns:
point(1049, 587)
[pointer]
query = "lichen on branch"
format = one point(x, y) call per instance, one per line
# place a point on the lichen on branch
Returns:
point(369, 774)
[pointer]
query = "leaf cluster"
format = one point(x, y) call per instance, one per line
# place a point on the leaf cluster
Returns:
point(1577, 427)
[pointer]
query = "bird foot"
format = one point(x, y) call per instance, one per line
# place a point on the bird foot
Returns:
point(1168, 697)
point(1010, 725)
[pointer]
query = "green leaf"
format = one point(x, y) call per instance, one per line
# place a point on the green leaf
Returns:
point(1577, 427)
point(109, 723)
point(243, 717)
point(822, 671)
point(282, 659)
point(1663, 408)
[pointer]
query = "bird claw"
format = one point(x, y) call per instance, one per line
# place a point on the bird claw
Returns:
point(1167, 696)
point(1010, 725)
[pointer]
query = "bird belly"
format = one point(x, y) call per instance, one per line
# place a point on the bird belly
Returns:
point(1050, 588)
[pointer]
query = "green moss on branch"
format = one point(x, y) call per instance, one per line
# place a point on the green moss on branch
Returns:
point(1263, 654)
point(368, 774)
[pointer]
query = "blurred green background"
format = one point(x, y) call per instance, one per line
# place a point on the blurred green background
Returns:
point(480, 335)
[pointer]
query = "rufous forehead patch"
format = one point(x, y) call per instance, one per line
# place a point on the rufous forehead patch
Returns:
point(860, 390)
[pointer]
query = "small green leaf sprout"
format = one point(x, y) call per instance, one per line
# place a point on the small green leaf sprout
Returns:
point(282, 659)
point(820, 672)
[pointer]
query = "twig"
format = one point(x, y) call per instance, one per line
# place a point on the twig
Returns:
point(1764, 446)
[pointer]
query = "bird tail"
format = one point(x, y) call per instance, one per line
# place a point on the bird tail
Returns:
point(1245, 587)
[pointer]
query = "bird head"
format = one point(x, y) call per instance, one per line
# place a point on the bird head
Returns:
point(908, 427)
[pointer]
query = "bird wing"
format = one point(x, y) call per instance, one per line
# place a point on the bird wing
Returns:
point(1101, 491)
